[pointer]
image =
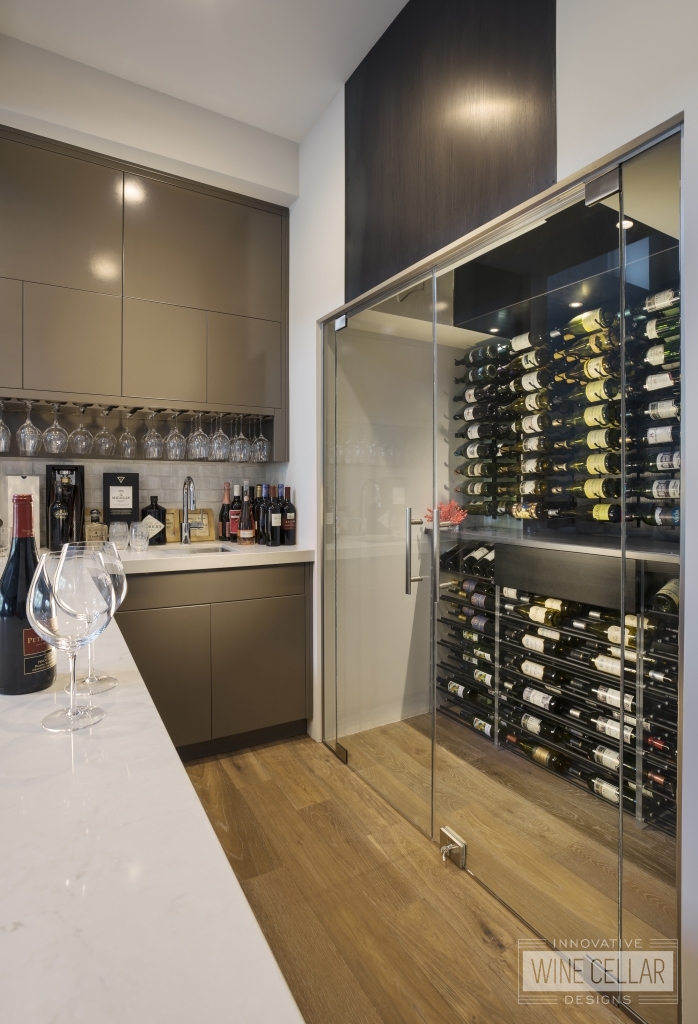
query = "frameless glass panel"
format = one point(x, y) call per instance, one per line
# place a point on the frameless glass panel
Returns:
point(532, 587)
point(650, 203)
point(329, 704)
point(383, 467)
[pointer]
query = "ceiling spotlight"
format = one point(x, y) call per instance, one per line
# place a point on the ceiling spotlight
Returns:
point(627, 224)
point(576, 305)
point(494, 330)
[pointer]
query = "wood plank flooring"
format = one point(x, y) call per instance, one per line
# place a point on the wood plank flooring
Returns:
point(366, 922)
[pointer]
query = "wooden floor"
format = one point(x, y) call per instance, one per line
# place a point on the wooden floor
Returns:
point(366, 922)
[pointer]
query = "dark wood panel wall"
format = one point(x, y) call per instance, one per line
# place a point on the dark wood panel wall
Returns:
point(450, 121)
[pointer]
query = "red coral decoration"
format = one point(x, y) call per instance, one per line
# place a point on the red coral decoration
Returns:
point(449, 515)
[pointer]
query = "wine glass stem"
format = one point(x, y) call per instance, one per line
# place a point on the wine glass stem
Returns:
point(71, 661)
point(91, 661)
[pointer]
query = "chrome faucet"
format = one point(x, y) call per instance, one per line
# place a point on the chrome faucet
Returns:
point(188, 505)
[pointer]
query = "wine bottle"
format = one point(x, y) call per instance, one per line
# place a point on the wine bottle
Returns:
point(540, 465)
point(640, 385)
point(288, 519)
point(655, 462)
point(607, 365)
point(533, 443)
point(28, 663)
point(607, 695)
point(611, 727)
point(533, 401)
point(59, 518)
point(477, 723)
point(491, 352)
point(667, 517)
point(591, 321)
point(532, 642)
point(538, 726)
point(525, 509)
point(480, 411)
point(667, 353)
point(667, 599)
point(475, 488)
point(480, 374)
point(475, 469)
point(534, 380)
point(601, 415)
point(478, 431)
point(274, 531)
point(246, 523)
point(668, 489)
point(476, 450)
point(594, 344)
point(474, 556)
point(659, 327)
point(535, 486)
point(536, 613)
point(659, 301)
point(667, 409)
point(539, 698)
point(534, 669)
point(533, 423)
point(234, 514)
point(598, 464)
point(477, 393)
point(521, 596)
point(473, 587)
point(539, 754)
point(599, 513)
point(529, 360)
point(535, 339)
point(593, 487)
point(600, 438)
point(224, 514)
point(594, 391)
point(657, 435)
point(484, 567)
point(558, 604)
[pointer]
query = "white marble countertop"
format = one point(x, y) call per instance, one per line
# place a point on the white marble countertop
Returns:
point(117, 903)
point(195, 557)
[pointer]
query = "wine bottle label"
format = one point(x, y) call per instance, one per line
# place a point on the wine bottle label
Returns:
point(668, 460)
point(471, 450)
point(607, 790)
point(38, 655)
point(455, 688)
point(651, 329)
point(594, 488)
point(672, 590)
point(478, 600)
point(531, 723)
point(596, 342)
point(659, 435)
point(630, 655)
point(597, 439)
point(594, 369)
point(541, 755)
point(469, 412)
point(541, 700)
point(291, 516)
point(532, 401)
point(528, 487)
point(510, 592)
point(601, 513)
point(520, 342)
point(531, 424)
point(470, 659)
point(596, 464)
point(655, 355)
point(657, 381)
point(478, 469)
point(533, 643)
point(530, 381)
point(529, 466)
point(475, 556)
point(473, 431)
point(608, 696)
point(554, 603)
point(469, 395)
point(467, 635)
point(479, 622)
point(245, 534)
point(533, 444)
point(666, 489)
point(483, 655)
point(536, 613)
point(482, 726)
point(594, 391)
point(608, 757)
point(529, 360)
point(550, 634)
point(609, 665)
point(591, 321)
point(482, 677)
point(653, 303)
point(532, 669)
point(610, 727)
point(595, 415)
point(276, 519)
point(477, 487)
point(663, 410)
point(615, 634)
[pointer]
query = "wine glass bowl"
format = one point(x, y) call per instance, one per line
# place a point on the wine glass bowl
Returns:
point(262, 446)
point(5, 433)
point(153, 444)
point(220, 444)
point(175, 442)
point(80, 439)
point(197, 442)
point(128, 445)
point(104, 442)
point(55, 437)
point(29, 437)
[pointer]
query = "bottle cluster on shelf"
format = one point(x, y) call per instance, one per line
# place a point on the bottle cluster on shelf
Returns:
point(542, 676)
point(541, 433)
point(265, 515)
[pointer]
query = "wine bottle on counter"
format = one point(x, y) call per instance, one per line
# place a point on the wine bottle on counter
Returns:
point(224, 514)
point(27, 663)
point(234, 514)
point(246, 524)
point(274, 532)
point(59, 518)
point(288, 519)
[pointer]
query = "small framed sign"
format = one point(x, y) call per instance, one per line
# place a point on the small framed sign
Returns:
point(121, 498)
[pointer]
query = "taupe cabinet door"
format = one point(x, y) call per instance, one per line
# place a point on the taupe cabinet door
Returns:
point(172, 648)
point(244, 361)
point(72, 340)
point(164, 352)
point(257, 664)
point(190, 249)
point(60, 219)
point(10, 333)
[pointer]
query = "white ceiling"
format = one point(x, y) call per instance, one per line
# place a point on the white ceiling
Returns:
point(275, 64)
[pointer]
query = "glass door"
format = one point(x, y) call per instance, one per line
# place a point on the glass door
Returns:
point(379, 483)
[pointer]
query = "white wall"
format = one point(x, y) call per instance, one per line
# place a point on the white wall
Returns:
point(623, 67)
point(316, 287)
point(50, 95)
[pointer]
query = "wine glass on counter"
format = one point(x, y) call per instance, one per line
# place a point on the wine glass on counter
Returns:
point(81, 439)
point(28, 436)
point(153, 444)
point(104, 442)
point(5, 433)
point(70, 603)
point(220, 444)
point(128, 445)
point(175, 442)
point(55, 437)
point(93, 682)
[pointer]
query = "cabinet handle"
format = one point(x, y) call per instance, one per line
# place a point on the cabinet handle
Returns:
point(409, 523)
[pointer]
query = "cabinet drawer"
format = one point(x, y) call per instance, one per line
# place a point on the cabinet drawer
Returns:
point(171, 589)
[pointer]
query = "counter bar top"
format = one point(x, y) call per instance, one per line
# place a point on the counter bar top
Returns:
point(117, 903)
point(190, 557)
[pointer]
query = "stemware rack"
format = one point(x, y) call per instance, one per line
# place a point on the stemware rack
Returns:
point(137, 419)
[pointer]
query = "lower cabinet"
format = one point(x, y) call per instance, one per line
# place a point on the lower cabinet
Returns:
point(225, 654)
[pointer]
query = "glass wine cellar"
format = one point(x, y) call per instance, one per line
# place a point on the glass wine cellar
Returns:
point(501, 578)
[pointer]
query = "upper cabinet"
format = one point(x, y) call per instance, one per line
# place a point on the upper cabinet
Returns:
point(60, 219)
point(191, 249)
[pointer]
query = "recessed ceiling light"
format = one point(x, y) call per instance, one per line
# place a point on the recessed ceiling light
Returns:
point(576, 305)
point(494, 330)
point(627, 224)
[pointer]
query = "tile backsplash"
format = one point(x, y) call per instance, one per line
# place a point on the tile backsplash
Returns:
point(162, 478)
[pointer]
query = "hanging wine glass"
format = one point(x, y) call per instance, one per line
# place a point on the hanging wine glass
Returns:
point(220, 445)
point(262, 445)
point(153, 444)
point(81, 439)
point(5, 433)
point(128, 445)
point(236, 452)
point(104, 442)
point(197, 442)
point(231, 439)
point(175, 443)
point(245, 446)
point(55, 437)
point(253, 442)
point(29, 436)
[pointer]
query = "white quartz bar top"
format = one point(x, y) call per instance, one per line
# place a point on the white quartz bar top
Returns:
point(117, 903)
point(195, 557)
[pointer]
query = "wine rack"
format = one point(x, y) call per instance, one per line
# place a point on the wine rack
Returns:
point(492, 683)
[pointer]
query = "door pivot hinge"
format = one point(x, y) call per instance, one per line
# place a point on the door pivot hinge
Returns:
point(452, 846)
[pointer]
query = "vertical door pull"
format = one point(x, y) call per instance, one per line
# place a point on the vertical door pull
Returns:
point(409, 523)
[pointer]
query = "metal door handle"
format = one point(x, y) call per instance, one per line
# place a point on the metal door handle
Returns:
point(409, 523)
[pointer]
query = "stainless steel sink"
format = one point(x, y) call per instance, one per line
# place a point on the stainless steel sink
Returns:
point(200, 549)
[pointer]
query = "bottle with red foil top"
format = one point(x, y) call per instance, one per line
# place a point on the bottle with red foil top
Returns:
point(288, 519)
point(27, 663)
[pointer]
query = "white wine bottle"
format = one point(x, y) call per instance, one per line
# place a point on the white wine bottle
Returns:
point(598, 464)
point(590, 321)
point(599, 513)
point(599, 439)
point(659, 490)
point(481, 488)
point(593, 488)
point(667, 599)
point(601, 415)
point(667, 353)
